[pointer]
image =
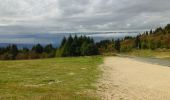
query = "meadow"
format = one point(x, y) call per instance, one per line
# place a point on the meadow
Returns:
point(162, 54)
point(50, 79)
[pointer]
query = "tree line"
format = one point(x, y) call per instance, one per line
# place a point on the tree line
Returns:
point(77, 46)
point(85, 46)
point(157, 39)
point(12, 52)
point(152, 40)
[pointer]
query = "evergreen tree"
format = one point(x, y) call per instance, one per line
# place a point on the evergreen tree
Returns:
point(63, 42)
point(117, 45)
point(138, 42)
point(75, 47)
point(78, 46)
point(48, 48)
point(13, 51)
point(147, 33)
point(167, 28)
point(25, 50)
point(151, 32)
point(37, 48)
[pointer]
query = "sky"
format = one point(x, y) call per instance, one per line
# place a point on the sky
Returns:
point(52, 16)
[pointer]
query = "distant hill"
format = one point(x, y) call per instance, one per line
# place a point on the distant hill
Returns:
point(28, 40)
point(18, 45)
point(21, 45)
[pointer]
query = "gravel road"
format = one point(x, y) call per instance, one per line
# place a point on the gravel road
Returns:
point(133, 79)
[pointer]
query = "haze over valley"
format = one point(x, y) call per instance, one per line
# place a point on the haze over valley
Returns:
point(28, 40)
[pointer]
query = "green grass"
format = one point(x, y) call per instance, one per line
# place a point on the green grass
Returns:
point(163, 54)
point(49, 79)
point(142, 53)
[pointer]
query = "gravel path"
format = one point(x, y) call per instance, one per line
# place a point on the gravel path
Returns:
point(130, 79)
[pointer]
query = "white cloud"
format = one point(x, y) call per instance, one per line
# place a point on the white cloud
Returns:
point(31, 16)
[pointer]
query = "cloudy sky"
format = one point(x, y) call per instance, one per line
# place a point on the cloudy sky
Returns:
point(42, 16)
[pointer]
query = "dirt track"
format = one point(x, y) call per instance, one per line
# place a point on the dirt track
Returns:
point(128, 79)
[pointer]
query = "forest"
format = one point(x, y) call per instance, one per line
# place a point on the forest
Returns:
point(85, 46)
point(77, 46)
point(71, 46)
point(152, 40)
point(12, 52)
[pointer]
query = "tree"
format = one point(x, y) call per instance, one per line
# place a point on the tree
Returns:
point(63, 42)
point(151, 32)
point(117, 45)
point(25, 50)
point(158, 30)
point(167, 28)
point(2, 50)
point(138, 42)
point(48, 48)
point(13, 51)
point(73, 48)
point(147, 33)
point(88, 49)
point(78, 46)
point(49, 51)
point(37, 48)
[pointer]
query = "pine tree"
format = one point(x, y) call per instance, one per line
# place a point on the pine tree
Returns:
point(63, 42)
point(167, 28)
point(25, 50)
point(48, 48)
point(78, 46)
point(37, 48)
point(117, 45)
point(151, 32)
point(13, 51)
point(138, 42)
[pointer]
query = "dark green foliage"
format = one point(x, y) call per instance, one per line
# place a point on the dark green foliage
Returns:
point(106, 46)
point(144, 45)
point(147, 33)
point(63, 42)
point(37, 48)
point(25, 50)
point(2, 50)
point(88, 49)
point(11, 52)
point(167, 28)
point(158, 30)
point(77, 46)
point(128, 37)
point(138, 42)
point(49, 50)
point(151, 31)
point(117, 45)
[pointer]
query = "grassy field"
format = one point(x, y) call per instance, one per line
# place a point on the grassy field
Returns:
point(49, 79)
point(163, 54)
